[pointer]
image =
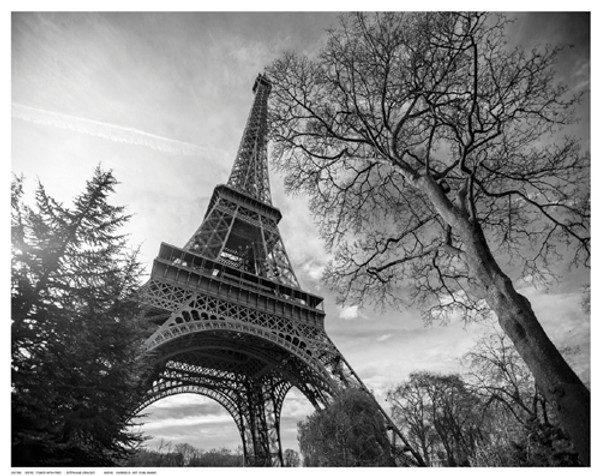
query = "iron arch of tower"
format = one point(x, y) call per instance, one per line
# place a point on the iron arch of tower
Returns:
point(231, 320)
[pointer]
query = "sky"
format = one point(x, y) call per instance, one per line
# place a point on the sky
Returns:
point(162, 99)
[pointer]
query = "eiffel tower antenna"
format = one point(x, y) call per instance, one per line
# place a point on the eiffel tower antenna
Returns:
point(231, 321)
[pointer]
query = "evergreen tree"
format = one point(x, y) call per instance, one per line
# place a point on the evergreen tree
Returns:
point(76, 365)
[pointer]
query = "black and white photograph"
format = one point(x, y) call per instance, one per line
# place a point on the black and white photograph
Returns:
point(356, 237)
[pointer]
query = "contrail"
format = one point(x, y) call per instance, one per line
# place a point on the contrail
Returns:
point(110, 132)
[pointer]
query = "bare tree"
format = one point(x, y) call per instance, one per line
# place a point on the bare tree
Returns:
point(433, 154)
point(442, 417)
point(499, 374)
point(188, 452)
point(528, 435)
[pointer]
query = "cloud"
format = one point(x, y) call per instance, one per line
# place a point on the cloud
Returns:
point(110, 132)
point(349, 313)
point(189, 418)
point(583, 70)
point(296, 405)
point(384, 337)
point(313, 269)
point(187, 421)
point(205, 424)
point(222, 434)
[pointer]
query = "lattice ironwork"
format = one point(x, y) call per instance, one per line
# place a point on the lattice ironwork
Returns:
point(250, 173)
point(242, 233)
point(232, 322)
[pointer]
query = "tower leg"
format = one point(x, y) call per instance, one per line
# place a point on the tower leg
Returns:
point(261, 419)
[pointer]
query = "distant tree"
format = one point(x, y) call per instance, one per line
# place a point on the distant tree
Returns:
point(188, 452)
point(222, 457)
point(440, 416)
point(184, 455)
point(525, 432)
point(144, 458)
point(350, 432)
point(432, 154)
point(76, 366)
point(291, 458)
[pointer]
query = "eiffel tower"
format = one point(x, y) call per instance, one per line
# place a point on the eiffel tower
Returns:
point(232, 322)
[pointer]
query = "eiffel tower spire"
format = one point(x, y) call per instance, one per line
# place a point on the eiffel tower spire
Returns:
point(250, 174)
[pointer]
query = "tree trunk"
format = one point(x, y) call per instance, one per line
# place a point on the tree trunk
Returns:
point(557, 381)
point(561, 387)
